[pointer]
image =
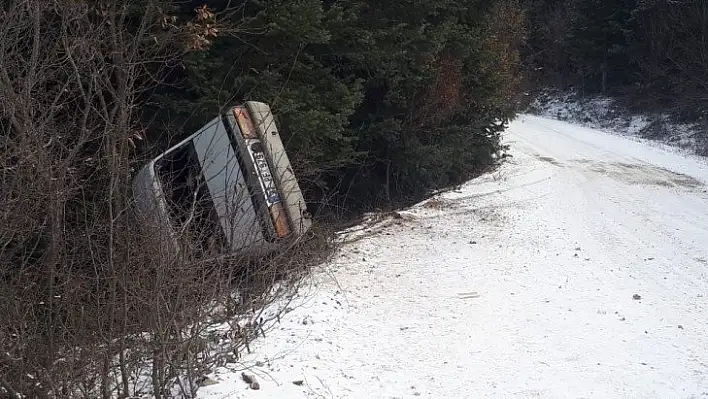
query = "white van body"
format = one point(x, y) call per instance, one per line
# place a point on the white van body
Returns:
point(227, 188)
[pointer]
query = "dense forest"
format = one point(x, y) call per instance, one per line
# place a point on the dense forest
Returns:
point(652, 54)
point(379, 103)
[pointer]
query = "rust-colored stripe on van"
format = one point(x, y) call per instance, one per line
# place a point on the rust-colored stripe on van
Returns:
point(245, 123)
point(280, 220)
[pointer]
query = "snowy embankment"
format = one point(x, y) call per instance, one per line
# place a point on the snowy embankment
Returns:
point(578, 269)
point(607, 114)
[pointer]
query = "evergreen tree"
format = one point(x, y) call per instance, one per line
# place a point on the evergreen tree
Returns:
point(378, 102)
point(598, 42)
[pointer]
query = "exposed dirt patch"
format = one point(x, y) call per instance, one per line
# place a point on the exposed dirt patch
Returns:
point(375, 224)
point(550, 160)
point(435, 203)
point(490, 215)
point(637, 174)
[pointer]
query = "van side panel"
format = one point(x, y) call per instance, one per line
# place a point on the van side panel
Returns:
point(295, 205)
point(227, 186)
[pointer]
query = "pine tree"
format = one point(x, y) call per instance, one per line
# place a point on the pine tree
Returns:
point(598, 42)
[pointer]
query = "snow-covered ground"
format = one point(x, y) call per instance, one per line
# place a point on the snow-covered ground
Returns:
point(579, 269)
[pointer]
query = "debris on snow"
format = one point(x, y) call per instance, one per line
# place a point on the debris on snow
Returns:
point(250, 379)
point(206, 381)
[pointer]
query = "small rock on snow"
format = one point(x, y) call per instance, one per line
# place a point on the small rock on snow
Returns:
point(251, 381)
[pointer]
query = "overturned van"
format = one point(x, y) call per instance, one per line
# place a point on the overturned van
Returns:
point(228, 188)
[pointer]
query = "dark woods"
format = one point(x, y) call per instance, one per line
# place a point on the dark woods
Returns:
point(380, 102)
point(651, 53)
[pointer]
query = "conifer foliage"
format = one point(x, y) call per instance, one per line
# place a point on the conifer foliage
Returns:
point(653, 53)
point(379, 102)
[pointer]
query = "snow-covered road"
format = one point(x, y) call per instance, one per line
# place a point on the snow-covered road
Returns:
point(579, 269)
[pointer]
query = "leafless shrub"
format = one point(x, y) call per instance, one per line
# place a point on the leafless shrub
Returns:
point(92, 305)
